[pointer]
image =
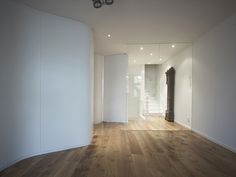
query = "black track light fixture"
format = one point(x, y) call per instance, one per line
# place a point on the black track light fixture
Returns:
point(109, 2)
point(99, 3)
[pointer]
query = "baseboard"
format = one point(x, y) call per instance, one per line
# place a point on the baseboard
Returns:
point(182, 124)
point(133, 117)
point(214, 141)
point(64, 148)
point(123, 122)
point(18, 160)
point(38, 154)
point(95, 123)
point(142, 117)
point(208, 137)
point(154, 114)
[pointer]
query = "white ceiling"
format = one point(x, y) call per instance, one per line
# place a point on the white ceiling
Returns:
point(141, 21)
point(153, 53)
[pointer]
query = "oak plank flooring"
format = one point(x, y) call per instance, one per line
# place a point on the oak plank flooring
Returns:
point(141, 148)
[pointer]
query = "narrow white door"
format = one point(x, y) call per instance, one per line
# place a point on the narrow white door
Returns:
point(115, 87)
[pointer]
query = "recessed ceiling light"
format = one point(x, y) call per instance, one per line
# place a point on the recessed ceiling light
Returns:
point(151, 54)
point(160, 59)
point(173, 46)
point(149, 63)
point(141, 48)
point(109, 35)
point(134, 61)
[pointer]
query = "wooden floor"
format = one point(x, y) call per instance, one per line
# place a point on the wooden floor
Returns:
point(144, 148)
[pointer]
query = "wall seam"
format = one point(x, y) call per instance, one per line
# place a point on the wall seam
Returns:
point(40, 80)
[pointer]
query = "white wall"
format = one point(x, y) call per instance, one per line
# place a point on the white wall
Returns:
point(98, 88)
point(214, 84)
point(65, 83)
point(45, 83)
point(115, 88)
point(20, 83)
point(182, 62)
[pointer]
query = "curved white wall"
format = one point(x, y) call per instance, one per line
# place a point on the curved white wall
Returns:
point(45, 76)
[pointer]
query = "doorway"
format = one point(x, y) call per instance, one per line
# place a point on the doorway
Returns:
point(147, 89)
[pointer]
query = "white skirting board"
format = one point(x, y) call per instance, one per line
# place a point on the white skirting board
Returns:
point(184, 125)
point(208, 137)
point(40, 153)
point(214, 141)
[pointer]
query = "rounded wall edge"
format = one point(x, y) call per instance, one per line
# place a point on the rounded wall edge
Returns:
point(10, 161)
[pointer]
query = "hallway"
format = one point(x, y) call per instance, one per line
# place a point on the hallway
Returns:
point(141, 148)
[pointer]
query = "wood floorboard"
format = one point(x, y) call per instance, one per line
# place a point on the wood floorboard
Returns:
point(141, 148)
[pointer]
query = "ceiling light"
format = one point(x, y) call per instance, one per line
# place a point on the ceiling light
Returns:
point(151, 54)
point(149, 63)
point(141, 48)
point(134, 61)
point(109, 35)
point(99, 3)
point(173, 46)
point(160, 59)
point(109, 2)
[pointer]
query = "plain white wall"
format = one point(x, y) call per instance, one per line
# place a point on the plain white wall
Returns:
point(182, 62)
point(20, 83)
point(65, 83)
point(45, 83)
point(98, 88)
point(214, 84)
point(115, 88)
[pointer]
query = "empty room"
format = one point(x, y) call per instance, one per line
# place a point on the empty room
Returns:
point(117, 88)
